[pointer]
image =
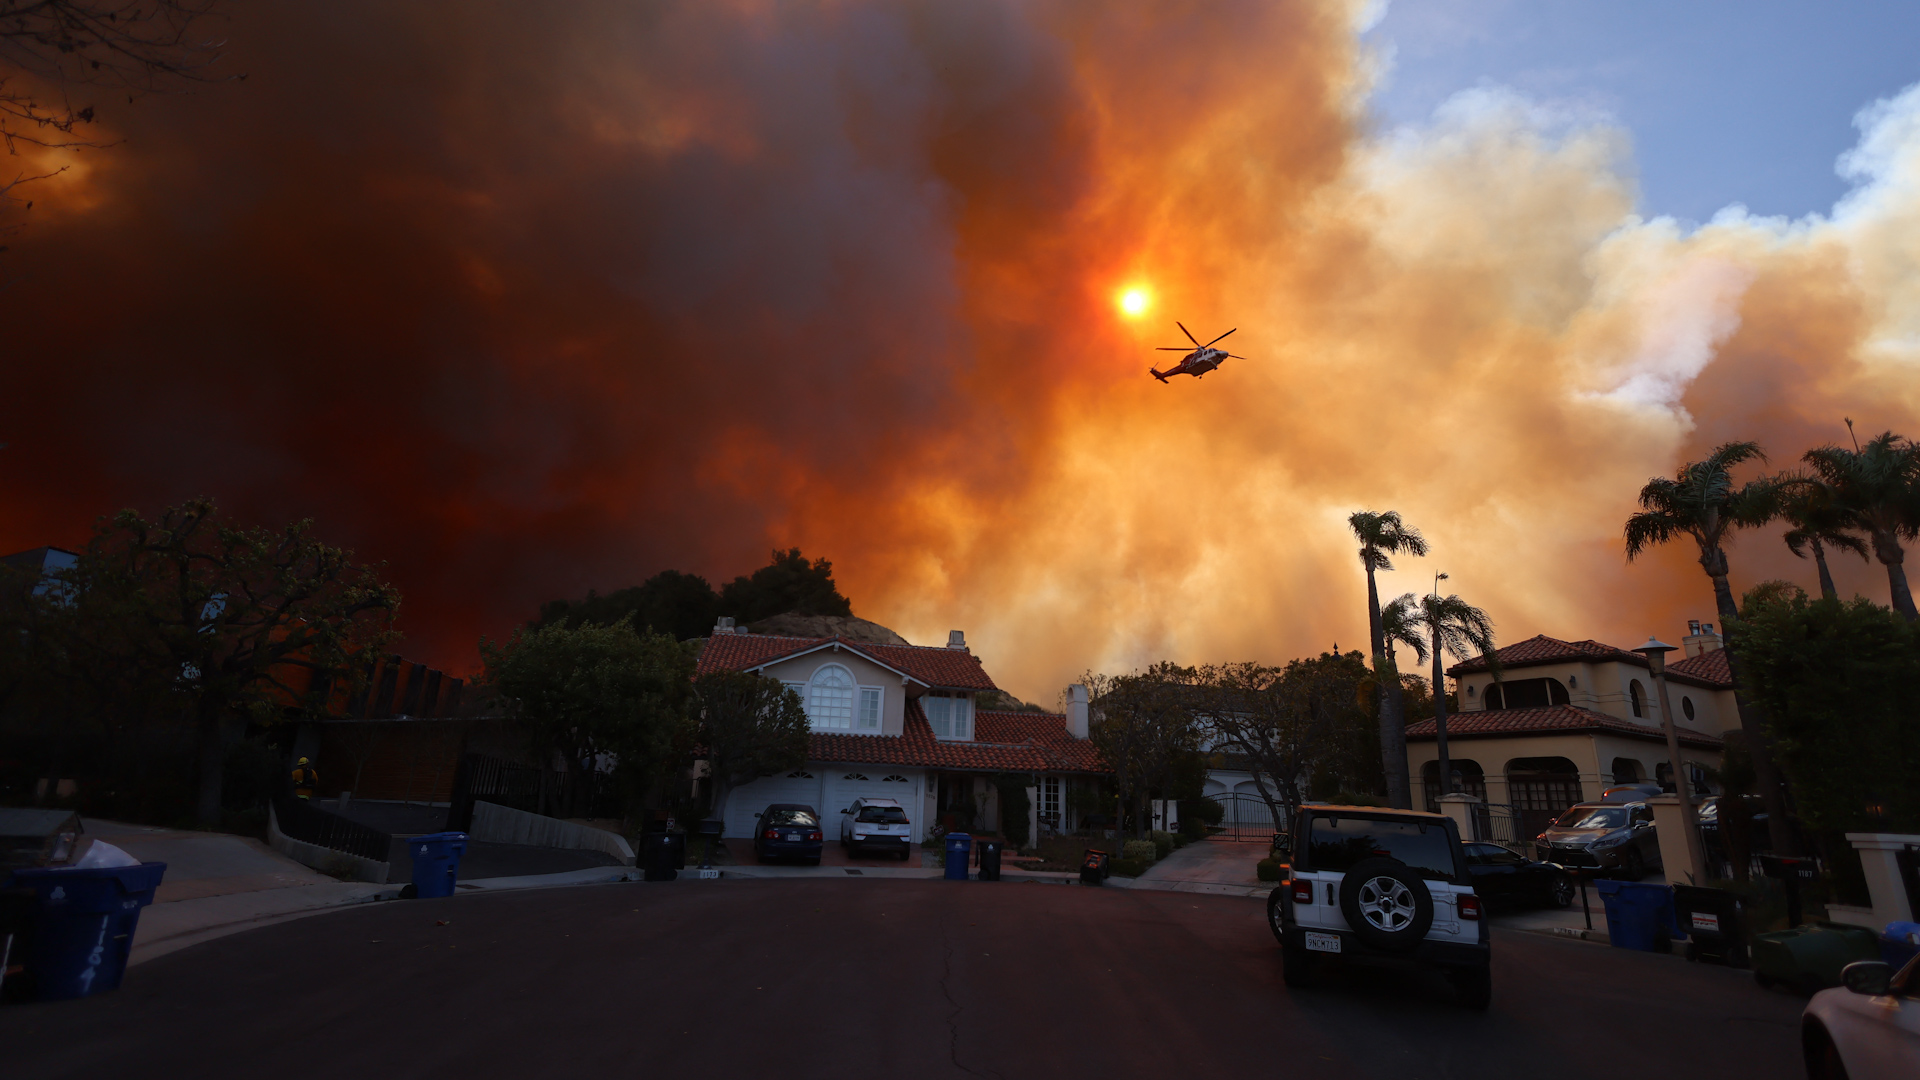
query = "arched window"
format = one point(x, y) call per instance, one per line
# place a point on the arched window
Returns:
point(830, 699)
point(1686, 705)
point(1634, 698)
point(1495, 699)
point(1626, 771)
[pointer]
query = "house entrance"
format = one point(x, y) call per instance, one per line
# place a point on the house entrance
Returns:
point(1541, 788)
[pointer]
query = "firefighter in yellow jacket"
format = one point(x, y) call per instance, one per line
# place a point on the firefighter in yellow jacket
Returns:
point(305, 779)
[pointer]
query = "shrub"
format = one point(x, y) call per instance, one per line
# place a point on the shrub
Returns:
point(1204, 811)
point(1267, 869)
point(1130, 867)
point(1162, 843)
point(1140, 849)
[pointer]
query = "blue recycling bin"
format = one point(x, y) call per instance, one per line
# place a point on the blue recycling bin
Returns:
point(83, 925)
point(436, 862)
point(1639, 915)
point(1899, 942)
point(959, 853)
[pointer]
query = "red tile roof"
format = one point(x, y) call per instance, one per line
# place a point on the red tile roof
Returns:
point(1003, 742)
point(1552, 720)
point(952, 669)
point(1709, 667)
point(1709, 670)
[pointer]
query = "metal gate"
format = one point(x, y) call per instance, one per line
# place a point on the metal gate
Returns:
point(1244, 817)
point(1498, 823)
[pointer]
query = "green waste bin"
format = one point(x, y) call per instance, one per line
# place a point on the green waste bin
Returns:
point(1809, 958)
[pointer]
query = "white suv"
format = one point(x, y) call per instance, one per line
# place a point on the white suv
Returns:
point(878, 824)
point(1376, 885)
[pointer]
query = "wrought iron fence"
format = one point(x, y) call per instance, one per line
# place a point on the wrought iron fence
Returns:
point(1246, 818)
point(529, 788)
point(305, 822)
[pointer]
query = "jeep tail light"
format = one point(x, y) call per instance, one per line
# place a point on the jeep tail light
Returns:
point(1469, 907)
point(1303, 892)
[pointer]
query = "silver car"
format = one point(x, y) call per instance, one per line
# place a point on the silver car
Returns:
point(1603, 838)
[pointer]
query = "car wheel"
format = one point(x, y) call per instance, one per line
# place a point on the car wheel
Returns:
point(1475, 987)
point(1823, 1058)
point(905, 854)
point(1386, 904)
point(1634, 866)
point(1274, 920)
point(1560, 893)
point(1298, 967)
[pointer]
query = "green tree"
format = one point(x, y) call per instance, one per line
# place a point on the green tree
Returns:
point(1381, 536)
point(1819, 521)
point(599, 698)
point(1144, 726)
point(788, 583)
point(752, 726)
point(1840, 682)
point(1464, 631)
point(1878, 486)
point(223, 624)
point(1702, 504)
point(669, 602)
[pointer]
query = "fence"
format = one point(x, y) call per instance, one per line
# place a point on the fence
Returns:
point(303, 821)
point(529, 788)
point(1245, 818)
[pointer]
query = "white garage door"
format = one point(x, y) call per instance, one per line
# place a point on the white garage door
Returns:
point(799, 786)
point(846, 783)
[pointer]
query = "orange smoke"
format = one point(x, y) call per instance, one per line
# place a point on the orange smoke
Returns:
point(529, 308)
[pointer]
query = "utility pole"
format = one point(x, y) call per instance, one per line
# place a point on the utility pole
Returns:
point(1656, 652)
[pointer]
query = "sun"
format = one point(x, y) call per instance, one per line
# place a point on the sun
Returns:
point(1134, 301)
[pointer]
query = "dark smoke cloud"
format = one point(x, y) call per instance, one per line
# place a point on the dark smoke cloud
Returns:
point(526, 305)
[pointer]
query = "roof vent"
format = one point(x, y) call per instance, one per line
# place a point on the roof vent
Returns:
point(724, 626)
point(957, 639)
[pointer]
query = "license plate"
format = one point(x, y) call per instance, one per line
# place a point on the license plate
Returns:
point(1706, 922)
point(1323, 942)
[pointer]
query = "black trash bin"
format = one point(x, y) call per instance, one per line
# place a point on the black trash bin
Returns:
point(1093, 868)
point(989, 859)
point(1715, 924)
point(662, 855)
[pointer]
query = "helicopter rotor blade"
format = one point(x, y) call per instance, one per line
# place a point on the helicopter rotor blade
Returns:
point(1172, 348)
point(1189, 333)
point(1220, 338)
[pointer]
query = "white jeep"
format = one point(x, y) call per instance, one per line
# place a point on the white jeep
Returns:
point(878, 824)
point(1374, 885)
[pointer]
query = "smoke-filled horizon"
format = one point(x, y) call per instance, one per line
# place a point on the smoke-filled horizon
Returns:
point(524, 308)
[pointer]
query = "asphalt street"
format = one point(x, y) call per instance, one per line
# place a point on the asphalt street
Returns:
point(883, 979)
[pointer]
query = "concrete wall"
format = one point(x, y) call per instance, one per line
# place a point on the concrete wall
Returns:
point(325, 860)
point(505, 825)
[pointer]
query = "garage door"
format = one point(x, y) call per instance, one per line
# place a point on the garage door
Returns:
point(846, 783)
point(799, 786)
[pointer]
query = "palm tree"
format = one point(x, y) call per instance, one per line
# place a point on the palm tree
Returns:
point(1465, 631)
point(1819, 521)
point(1879, 488)
point(1701, 502)
point(1382, 535)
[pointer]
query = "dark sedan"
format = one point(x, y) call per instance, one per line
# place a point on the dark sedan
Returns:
point(1501, 877)
point(788, 831)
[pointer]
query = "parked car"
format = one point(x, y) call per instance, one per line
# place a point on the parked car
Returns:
point(1867, 1028)
point(876, 825)
point(1617, 839)
point(1380, 886)
point(788, 831)
point(1500, 876)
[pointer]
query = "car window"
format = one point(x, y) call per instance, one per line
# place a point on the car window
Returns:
point(788, 817)
point(1593, 817)
point(882, 815)
point(1338, 842)
point(1642, 813)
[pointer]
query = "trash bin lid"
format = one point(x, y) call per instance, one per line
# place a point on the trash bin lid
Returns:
point(439, 838)
point(957, 838)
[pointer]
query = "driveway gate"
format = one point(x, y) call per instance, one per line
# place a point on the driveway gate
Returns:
point(1245, 818)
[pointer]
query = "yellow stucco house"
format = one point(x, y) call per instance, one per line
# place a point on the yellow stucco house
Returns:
point(1568, 719)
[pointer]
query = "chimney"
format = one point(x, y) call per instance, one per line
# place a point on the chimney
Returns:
point(957, 639)
point(1700, 639)
point(724, 626)
point(1077, 710)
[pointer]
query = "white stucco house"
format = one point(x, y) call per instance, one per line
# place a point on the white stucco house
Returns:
point(900, 722)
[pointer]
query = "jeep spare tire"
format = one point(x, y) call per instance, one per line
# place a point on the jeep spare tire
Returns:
point(1386, 905)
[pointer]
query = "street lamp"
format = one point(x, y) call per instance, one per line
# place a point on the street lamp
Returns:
point(1656, 652)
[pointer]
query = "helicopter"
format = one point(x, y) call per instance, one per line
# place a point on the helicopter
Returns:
point(1199, 361)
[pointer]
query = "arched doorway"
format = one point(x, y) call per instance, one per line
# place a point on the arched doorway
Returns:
point(1468, 779)
point(1540, 787)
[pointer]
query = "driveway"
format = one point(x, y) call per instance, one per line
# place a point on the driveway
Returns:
point(1212, 866)
point(856, 977)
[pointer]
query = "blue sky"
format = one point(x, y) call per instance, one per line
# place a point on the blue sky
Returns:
point(1727, 102)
